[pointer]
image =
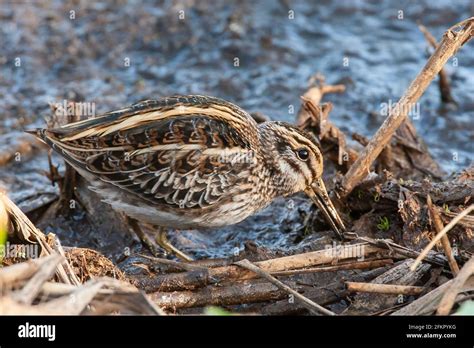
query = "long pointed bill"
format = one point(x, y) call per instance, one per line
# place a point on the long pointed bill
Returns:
point(318, 194)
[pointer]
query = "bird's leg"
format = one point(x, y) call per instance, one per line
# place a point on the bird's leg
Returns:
point(163, 242)
point(144, 238)
point(161, 239)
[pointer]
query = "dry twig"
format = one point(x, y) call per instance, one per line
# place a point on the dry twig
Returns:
point(449, 297)
point(385, 288)
point(444, 87)
point(31, 289)
point(200, 278)
point(438, 224)
point(234, 294)
point(344, 266)
point(441, 234)
point(315, 94)
point(26, 231)
point(312, 306)
point(398, 275)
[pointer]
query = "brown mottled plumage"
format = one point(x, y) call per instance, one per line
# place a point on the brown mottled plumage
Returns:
point(191, 161)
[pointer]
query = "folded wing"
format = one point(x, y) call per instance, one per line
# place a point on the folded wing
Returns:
point(184, 151)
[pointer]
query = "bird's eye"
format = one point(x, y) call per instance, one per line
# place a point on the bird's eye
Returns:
point(302, 154)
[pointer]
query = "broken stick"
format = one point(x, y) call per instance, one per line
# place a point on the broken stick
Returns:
point(438, 225)
point(449, 297)
point(200, 278)
point(350, 265)
point(315, 93)
point(310, 305)
point(440, 235)
point(385, 288)
point(233, 294)
point(444, 87)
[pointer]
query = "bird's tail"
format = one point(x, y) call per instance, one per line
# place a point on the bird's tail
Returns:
point(38, 132)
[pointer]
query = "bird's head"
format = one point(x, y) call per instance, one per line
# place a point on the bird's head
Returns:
point(298, 162)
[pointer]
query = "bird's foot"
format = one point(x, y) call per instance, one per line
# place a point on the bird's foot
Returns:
point(161, 239)
point(146, 241)
point(163, 242)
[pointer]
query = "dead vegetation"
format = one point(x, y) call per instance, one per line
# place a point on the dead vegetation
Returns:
point(379, 269)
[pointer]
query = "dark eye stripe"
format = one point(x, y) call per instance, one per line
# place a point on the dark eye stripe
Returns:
point(281, 146)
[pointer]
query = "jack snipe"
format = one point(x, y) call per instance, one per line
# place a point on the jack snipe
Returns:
point(192, 162)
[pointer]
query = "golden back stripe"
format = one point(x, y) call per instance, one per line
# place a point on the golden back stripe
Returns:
point(78, 123)
point(191, 147)
point(219, 111)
